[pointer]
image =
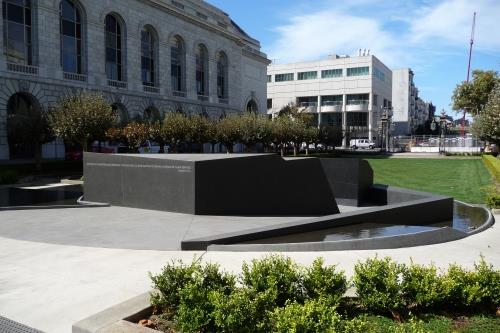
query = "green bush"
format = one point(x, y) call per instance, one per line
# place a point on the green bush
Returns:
point(324, 281)
point(493, 165)
point(377, 284)
point(194, 313)
point(488, 280)
point(277, 272)
point(176, 276)
point(8, 177)
point(244, 311)
point(422, 287)
point(460, 289)
point(492, 198)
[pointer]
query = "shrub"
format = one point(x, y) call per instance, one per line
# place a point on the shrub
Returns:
point(314, 316)
point(377, 284)
point(324, 281)
point(422, 287)
point(489, 281)
point(460, 289)
point(194, 313)
point(275, 272)
point(176, 275)
point(8, 177)
point(493, 165)
point(492, 198)
point(244, 311)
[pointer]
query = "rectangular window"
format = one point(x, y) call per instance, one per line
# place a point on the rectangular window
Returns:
point(379, 74)
point(269, 103)
point(357, 119)
point(307, 75)
point(331, 119)
point(202, 16)
point(358, 71)
point(307, 101)
point(333, 100)
point(177, 4)
point(284, 77)
point(269, 78)
point(331, 73)
point(358, 99)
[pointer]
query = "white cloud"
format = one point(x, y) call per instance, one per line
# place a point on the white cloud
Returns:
point(451, 22)
point(424, 31)
point(313, 36)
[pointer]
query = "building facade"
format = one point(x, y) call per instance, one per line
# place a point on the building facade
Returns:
point(147, 57)
point(348, 92)
point(409, 110)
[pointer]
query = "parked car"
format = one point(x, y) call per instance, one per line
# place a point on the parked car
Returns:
point(362, 143)
point(151, 147)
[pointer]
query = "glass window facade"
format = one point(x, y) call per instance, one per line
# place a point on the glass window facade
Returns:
point(177, 64)
point(379, 74)
point(269, 78)
point(307, 75)
point(307, 101)
point(114, 54)
point(269, 103)
point(331, 119)
point(222, 73)
point(331, 73)
point(71, 37)
point(148, 61)
point(358, 71)
point(201, 71)
point(357, 119)
point(332, 100)
point(358, 99)
point(284, 77)
point(17, 31)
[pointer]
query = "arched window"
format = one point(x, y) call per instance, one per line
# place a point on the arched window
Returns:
point(252, 106)
point(17, 31)
point(222, 72)
point(114, 51)
point(148, 56)
point(177, 64)
point(201, 70)
point(71, 37)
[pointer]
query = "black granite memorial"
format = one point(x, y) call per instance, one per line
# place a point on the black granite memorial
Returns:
point(210, 184)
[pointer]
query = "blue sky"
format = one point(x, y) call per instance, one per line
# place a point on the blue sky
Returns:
point(429, 36)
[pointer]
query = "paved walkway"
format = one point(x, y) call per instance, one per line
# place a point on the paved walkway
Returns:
point(51, 286)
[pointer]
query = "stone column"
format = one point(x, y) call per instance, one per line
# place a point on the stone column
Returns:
point(370, 117)
point(318, 110)
point(4, 144)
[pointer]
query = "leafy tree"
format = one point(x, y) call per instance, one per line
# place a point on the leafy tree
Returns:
point(330, 135)
point(156, 134)
point(311, 137)
point(175, 129)
point(198, 130)
point(487, 124)
point(254, 129)
point(134, 134)
point(473, 96)
point(29, 126)
point(228, 131)
point(293, 111)
point(82, 118)
point(280, 133)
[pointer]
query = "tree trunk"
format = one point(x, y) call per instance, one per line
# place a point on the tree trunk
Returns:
point(85, 145)
point(294, 150)
point(282, 151)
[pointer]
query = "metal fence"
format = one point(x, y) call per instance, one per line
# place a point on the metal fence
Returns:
point(430, 143)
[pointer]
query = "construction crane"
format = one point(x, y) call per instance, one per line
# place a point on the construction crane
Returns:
point(468, 67)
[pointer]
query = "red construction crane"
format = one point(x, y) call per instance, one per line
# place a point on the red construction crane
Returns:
point(468, 67)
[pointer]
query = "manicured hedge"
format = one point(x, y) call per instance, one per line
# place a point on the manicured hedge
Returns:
point(493, 165)
point(275, 294)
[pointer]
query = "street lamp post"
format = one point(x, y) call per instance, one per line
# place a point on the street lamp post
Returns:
point(442, 122)
point(385, 124)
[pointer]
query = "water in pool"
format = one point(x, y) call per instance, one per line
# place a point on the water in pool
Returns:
point(55, 196)
point(465, 219)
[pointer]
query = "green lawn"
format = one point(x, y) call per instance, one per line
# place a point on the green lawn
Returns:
point(459, 178)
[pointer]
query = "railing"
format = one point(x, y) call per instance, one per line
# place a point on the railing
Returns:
point(357, 102)
point(178, 93)
point(24, 69)
point(223, 101)
point(308, 104)
point(117, 84)
point(75, 77)
point(332, 103)
point(151, 89)
point(203, 98)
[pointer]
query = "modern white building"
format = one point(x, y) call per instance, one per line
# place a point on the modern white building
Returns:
point(346, 91)
point(147, 57)
point(409, 110)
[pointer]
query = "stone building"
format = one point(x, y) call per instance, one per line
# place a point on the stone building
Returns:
point(146, 56)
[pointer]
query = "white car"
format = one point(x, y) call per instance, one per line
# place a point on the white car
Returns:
point(361, 143)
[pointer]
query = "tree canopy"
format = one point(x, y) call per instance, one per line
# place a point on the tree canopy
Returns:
point(487, 124)
point(473, 96)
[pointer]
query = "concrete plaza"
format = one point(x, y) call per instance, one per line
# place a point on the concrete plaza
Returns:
point(60, 266)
